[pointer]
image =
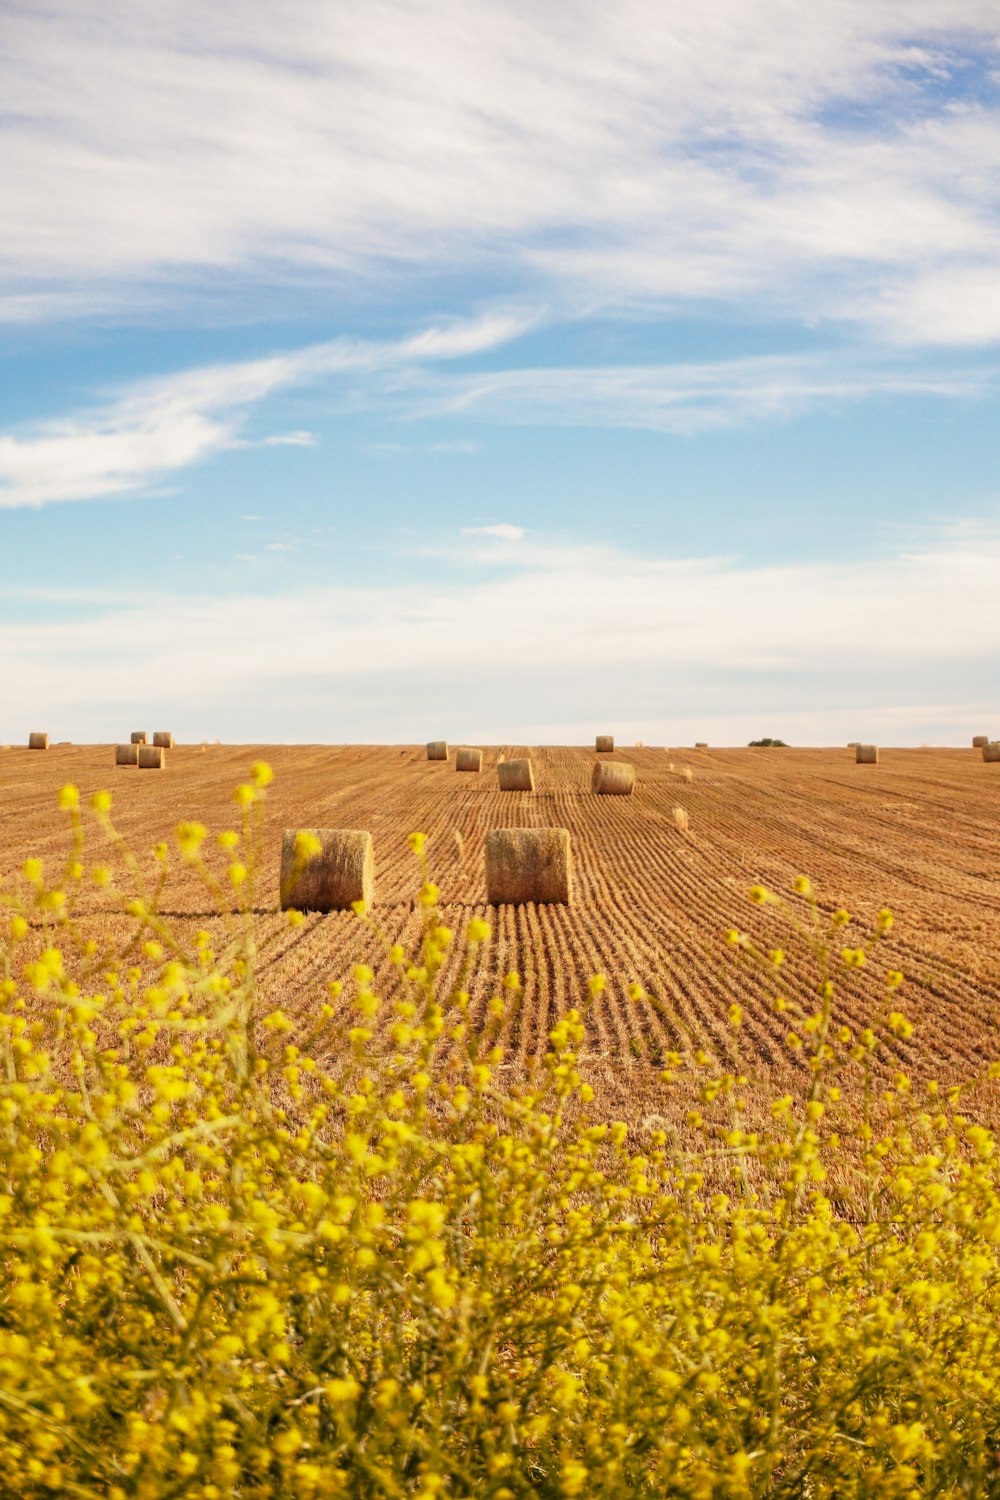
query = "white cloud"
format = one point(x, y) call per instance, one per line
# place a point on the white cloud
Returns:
point(809, 156)
point(280, 547)
point(171, 423)
point(503, 530)
point(899, 641)
point(291, 440)
point(685, 397)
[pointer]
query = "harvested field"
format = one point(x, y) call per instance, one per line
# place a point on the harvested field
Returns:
point(919, 833)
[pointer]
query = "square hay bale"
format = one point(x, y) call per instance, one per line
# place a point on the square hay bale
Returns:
point(437, 749)
point(151, 757)
point(979, 740)
point(853, 744)
point(991, 750)
point(163, 738)
point(701, 744)
point(516, 776)
point(529, 864)
point(467, 759)
point(127, 755)
point(140, 737)
point(613, 778)
point(341, 873)
point(866, 755)
point(604, 744)
point(37, 741)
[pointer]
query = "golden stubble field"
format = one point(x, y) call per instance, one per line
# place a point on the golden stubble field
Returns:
point(919, 833)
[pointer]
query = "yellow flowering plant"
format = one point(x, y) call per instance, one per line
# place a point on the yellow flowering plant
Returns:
point(246, 1256)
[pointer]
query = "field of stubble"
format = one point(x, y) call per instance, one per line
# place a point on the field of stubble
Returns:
point(919, 833)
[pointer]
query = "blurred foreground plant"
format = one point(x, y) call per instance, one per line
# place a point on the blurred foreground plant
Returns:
point(231, 1267)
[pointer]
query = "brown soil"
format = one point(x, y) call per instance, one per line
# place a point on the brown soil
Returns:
point(920, 833)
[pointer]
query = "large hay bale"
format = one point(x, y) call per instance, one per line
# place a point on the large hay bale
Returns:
point(701, 744)
point(604, 744)
point(140, 737)
point(991, 750)
point(681, 819)
point(341, 873)
point(979, 740)
point(866, 755)
point(151, 757)
point(853, 744)
point(613, 778)
point(528, 864)
point(163, 738)
point(516, 776)
point(126, 755)
point(38, 741)
point(467, 759)
point(437, 749)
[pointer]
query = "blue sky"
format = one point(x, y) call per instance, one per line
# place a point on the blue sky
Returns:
point(496, 371)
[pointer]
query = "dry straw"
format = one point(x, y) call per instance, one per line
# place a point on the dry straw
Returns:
point(613, 778)
point(604, 744)
point(140, 737)
point(991, 750)
point(866, 755)
point(681, 819)
point(341, 873)
point(528, 864)
point(126, 755)
point(164, 739)
point(151, 757)
point(437, 749)
point(38, 741)
point(516, 776)
point(467, 759)
point(979, 740)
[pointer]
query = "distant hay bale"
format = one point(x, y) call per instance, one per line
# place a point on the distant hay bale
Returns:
point(437, 749)
point(853, 744)
point(341, 873)
point(467, 759)
point(516, 776)
point(979, 740)
point(991, 750)
point(604, 744)
point(687, 773)
point(38, 741)
point(701, 744)
point(681, 819)
point(528, 864)
point(613, 778)
point(140, 737)
point(164, 739)
point(126, 755)
point(151, 757)
point(866, 755)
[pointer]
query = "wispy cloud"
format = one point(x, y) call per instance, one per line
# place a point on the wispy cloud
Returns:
point(291, 440)
point(817, 158)
point(502, 530)
point(800, 639)
point(165, 425)
point(686, 397)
